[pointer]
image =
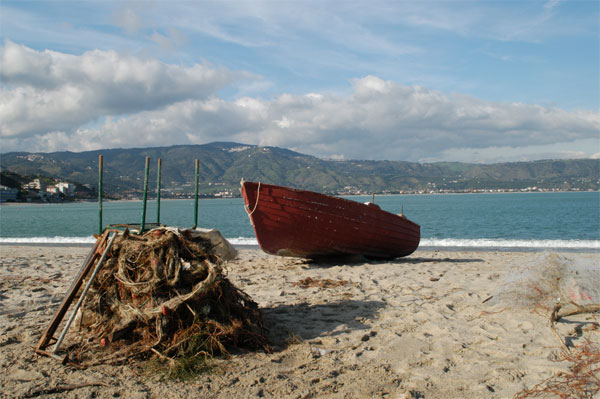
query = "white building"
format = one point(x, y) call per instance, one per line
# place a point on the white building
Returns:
point(67, 189)
point(35, 184)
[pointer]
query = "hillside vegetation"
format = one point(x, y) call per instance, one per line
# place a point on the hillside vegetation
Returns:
point(222, 165)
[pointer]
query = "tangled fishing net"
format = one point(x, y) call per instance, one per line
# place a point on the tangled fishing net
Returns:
point(549, 279)
point(164, 294)
point(560, 285)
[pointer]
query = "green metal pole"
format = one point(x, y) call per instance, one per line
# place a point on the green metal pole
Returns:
point(147, 173)
point(100, 172)
point(158, 191)
point(196, 195)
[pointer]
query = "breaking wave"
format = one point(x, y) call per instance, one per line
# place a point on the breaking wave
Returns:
point(243, 241)
point(47, 240)
point(508, 243)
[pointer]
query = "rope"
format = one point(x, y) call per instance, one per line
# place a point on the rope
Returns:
point(256, 203)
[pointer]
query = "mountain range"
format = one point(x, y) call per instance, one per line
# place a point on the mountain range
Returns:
point(222, 165)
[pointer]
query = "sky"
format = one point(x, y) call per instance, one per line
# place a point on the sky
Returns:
point(424, 81)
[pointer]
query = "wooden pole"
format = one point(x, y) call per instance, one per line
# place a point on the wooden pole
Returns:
point(146, 173)
point(100, 172)
point(196, 195)
point(158, 191)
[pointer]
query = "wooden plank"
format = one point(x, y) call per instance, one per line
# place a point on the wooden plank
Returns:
point(47, 337)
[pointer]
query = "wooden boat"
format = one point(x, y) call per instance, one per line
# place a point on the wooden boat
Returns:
point(291, 222)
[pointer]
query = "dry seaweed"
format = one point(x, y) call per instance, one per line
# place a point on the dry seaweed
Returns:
point(321, 283)
point(581, 381)
point(164, 294)
point(583, 378)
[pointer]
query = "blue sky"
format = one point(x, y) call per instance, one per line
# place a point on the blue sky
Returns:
point(475, 81)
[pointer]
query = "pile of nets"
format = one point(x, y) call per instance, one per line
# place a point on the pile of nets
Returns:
point(164, 294)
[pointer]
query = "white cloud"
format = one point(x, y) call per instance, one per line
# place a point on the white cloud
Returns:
point(580, 148)
point(284, 122)
point(48, 91)
point(170, 41)
point(551, 4)
point(101, 99)
point(128, 19)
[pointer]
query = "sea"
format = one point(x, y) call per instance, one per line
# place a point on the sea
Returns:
point(538, 221)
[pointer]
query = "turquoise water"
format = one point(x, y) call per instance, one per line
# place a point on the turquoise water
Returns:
point(526, 220)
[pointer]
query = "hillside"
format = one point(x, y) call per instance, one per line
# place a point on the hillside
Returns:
point(222, 165)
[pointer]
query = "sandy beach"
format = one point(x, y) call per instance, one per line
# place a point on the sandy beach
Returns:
point(437, 324)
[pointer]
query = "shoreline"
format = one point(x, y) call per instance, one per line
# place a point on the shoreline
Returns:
point(435, 324)
point(482, 191)
point(425, 248)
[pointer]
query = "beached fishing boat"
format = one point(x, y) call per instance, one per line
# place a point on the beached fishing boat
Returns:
point(291, 222)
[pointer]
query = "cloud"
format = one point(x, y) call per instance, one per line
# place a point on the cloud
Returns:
point(581, 148)
point(551, 4)
point(100, 99)
point(128, 19)
point(530, 22)
point(52, 91)
point(170, 41)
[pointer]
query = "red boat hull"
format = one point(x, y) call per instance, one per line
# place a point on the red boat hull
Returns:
point(291, 222)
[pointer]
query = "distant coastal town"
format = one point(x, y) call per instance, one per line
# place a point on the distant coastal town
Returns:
point(38, 191)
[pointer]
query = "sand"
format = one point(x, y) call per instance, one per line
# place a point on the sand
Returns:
point(418, 327)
